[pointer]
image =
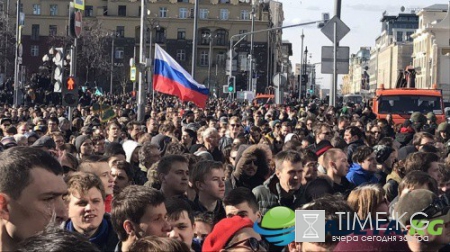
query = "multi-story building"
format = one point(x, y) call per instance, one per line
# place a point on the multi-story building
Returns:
point(359, 64)
point(431, 56)
point(393, 49)
point(170, 23)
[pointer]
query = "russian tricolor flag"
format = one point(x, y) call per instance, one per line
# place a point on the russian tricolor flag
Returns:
point(170, 78)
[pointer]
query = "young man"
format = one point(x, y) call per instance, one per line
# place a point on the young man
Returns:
point(336, 165)
point(208, 179)
point(284, 187)
point(364, 167)
point(122, 176)
point(31, 190)
point(138, 212)
point(173, 173)
point(426, 162)
point(204, 224)
point(353, 137)
point(181, 219)
point(242, 202)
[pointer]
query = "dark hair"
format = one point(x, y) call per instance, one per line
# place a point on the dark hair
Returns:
point(131, 204)
point(293, 145)
point(15, 166)
point(56, 239)
point(176, 206)
point(387, 141)
point(354, 131)
point(165, 164)
point(240, 195)
point(206, 217)
point(113, 149)
point(153, 243)
point(420, 161)
point(175, 148)
point(418, 178)
point(144, 153)
point(308, 156)
point(361, 153)
point(338, 142)
point(82, 182)
point(290, 156)
point(127, 168)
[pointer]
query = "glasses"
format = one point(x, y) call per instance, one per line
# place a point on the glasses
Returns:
point(438, 207)
point(376, 132)
point(234, 125)
point(250, 162)
point(251, 242)
point(326, 133)
point(277, 126)
point(6, 125)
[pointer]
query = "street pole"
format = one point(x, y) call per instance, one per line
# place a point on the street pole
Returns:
point(301, 68)
point(334, 87)
point(150, 69)
point(209, 61)
point(112, 67)
point(141, 95)
point(16, 61)
point(250, 58)
point(73, 69)
point(194, 39)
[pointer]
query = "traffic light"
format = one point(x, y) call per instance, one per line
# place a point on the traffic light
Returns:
point(70, 92)
point(58, 73)
point(231, 84)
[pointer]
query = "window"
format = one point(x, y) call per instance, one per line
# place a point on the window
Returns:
point(35, 32)
point(120, 31)
point(408, 36)
point(221, 37)
point(407, 104)
point(183, 13)
point(163, 12)
point(181, 34)
point(89, 11)
point(220, 59)
point(181, 55)
point(53, 10)
point(36, 9)
point(245, 15)
point(203, 58)
point(241, 32)
point(203, 13)
point(52, 30)
point(34, 50)
point(160, 36)
point(122, 10)
point(399, 36)
point(119, 52)
point(204, 35)
point(223, 14)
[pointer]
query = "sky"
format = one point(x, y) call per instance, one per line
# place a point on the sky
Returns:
point(361, 16)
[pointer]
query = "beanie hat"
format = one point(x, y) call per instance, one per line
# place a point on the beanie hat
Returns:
point(8, 142)
point(79, 141)
point(442, 127)
point(382, 153)
point(322, 147)
point(223, 231)
point(417, 117)
point(431, 116)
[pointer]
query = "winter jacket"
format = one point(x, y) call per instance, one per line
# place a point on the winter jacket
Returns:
point(358, 176)
point(268, 195)
point(239, 178)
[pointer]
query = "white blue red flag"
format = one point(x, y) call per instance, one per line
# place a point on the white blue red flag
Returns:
point(170, 78)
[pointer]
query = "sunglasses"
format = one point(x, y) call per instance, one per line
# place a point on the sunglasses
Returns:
point(326, 133)
point(439, 207)
point(251, 242)
point(375, 132)
point(234, 125)
point(250, 162)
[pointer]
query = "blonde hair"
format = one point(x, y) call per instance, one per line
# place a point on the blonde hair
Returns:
point(365, 199)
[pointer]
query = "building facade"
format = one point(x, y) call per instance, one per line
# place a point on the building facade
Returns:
point(170, 24)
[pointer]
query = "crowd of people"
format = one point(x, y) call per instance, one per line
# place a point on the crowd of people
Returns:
point(191, 179)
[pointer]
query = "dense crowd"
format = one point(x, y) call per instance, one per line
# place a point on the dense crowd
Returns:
point(190, 179)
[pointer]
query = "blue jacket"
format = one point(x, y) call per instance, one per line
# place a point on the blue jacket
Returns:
point(358, 176)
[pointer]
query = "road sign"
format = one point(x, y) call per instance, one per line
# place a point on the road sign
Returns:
point(78, 23)
point(133, 73)
point(341, 29)
point(279, 79)
point(342, 59)
point(78, 4)
point(225, 89)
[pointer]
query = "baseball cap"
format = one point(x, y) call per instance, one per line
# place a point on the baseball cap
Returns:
point(425, 201)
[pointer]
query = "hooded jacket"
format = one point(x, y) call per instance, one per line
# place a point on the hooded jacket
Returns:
point(139, 176)
point(268, 195)
point(239, 178)
point(358, 176)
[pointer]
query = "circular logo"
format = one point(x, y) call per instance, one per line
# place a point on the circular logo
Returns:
point(277, 226)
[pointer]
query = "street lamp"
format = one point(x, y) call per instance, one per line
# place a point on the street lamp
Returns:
point(210, 39)
point(152, 23)
point(113, 36)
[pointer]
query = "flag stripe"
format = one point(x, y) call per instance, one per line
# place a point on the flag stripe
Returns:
point(173, 88)
point(164, 69)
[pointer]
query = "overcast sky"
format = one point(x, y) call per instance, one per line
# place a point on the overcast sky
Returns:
point(361, 16)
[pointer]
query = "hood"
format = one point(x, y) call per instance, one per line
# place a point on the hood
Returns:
point(247, 153)
point(129, 146)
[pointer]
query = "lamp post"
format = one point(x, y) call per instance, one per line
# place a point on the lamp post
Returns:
point(113, 36)
point(152, 23)
point(210, 39)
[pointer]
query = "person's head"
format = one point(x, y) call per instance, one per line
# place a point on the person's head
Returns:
point(58, 138)
point(352, 134)
point(335, 162)
point(181, 219)
point(173, 173)
point(115, 153)
point(100, 167)
point(57, 239)
point(234, 234)
point(332, 204)
point(204, 223)
point(134, 129)
point(139, 211)
point(211, 138)
point(419, 201)
point(31, 190)
point(69, 163)
point(417, 180)
point(286, 128)
point(86, 202)
point(368, 200)
point(365, 156)
point(149, 154)
point(208, 179)
point(159, 244)
point(422, 138)
point(122, 173)
point(289, 169)
point(113, 129)
point(424, 161)
point(84, 145)
point(98, 142)
point(310, 165)
point(242, 202)
point(234, 126)
point(188, 137)
point(322, 131)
